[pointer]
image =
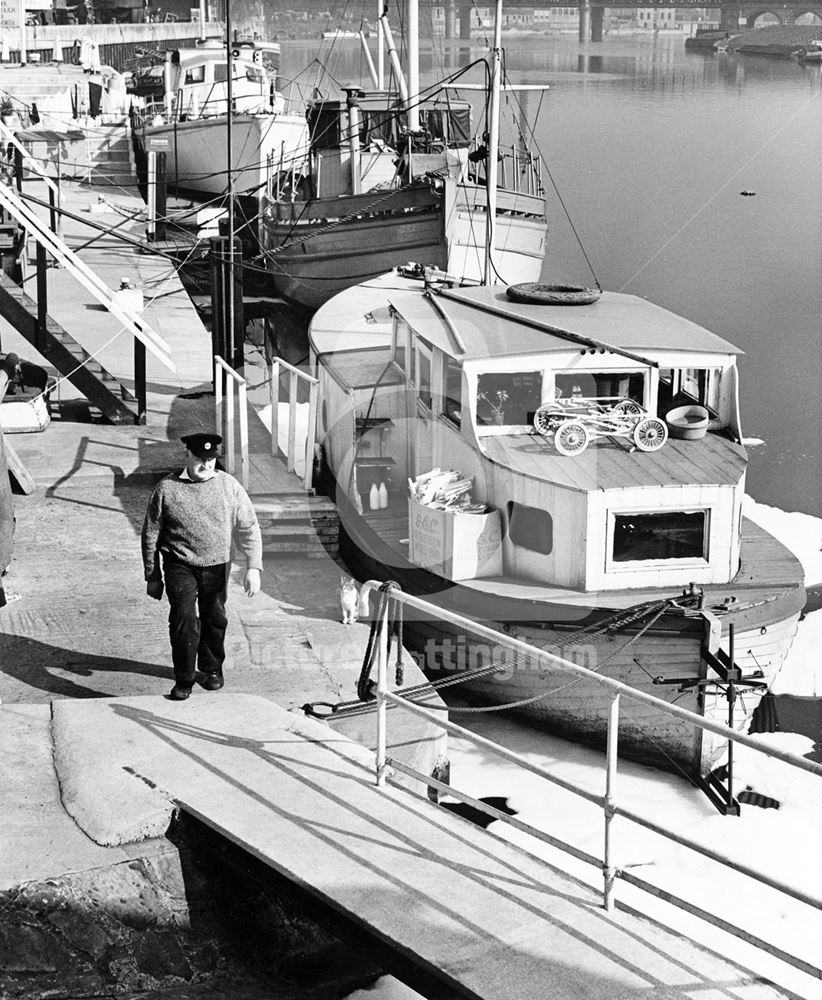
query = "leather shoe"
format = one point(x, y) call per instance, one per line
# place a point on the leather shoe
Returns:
point(213, 682)
point(179, 694)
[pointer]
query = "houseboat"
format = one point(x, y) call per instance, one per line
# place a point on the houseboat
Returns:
point(600, 436)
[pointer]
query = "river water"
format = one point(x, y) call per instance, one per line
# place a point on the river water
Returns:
point(649, 148)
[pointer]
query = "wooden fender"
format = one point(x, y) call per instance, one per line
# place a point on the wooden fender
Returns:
point(536, 293)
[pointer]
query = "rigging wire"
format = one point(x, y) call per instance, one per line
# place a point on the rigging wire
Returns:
point(718, 191)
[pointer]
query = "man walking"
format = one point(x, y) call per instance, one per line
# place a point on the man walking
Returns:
point(191, 520)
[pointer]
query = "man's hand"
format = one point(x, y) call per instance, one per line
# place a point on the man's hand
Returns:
point(252, 582)
point(154, 588)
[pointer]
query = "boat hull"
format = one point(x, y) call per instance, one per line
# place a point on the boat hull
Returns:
point(333, 246)
point(316, 249)
point(197, 157)
point(666, 660)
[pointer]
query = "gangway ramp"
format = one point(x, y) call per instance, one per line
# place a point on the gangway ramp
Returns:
point(449, 908)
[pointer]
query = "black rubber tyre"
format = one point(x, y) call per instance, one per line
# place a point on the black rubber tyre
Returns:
point(537, 293)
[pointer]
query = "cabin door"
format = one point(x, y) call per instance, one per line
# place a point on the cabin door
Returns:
point(422, 440)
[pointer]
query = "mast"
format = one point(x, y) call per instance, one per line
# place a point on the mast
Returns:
point(229, 154)
point(380, 47)
point(493, 151)
point(412, 104)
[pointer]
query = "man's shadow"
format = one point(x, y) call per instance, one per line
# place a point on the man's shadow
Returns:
point(42, 665)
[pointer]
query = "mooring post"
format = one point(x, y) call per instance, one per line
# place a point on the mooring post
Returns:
point(218, 334)
point(608, 869)
point(18, 168)
point(235, 320)
point(151, 194)
point(730, 806)
point(42, 299)
point(160, 196)
point(382, 681)
point(140, 380)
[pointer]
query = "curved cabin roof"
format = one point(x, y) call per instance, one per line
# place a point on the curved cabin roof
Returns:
point(490, 324)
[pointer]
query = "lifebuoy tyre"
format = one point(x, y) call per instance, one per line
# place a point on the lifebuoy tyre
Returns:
point(571, 438)
point(546, 418)
point(537, 293)
point(688, 422)
point(650, 434)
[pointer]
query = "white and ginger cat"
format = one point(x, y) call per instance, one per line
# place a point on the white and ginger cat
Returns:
point(349, 600)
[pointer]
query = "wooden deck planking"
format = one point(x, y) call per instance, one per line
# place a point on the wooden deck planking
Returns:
point(607, 464)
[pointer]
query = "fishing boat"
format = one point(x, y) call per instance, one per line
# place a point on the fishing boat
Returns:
point(183, 112)
point(596, 529)
point(396, 176)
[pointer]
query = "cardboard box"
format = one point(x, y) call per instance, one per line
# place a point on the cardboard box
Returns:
point(454, 545)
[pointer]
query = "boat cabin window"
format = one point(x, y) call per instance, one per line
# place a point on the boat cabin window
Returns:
point(452, 124)
point(531, 528)
point(220, 72)
point(601, 385)
point(452, 390)
point(424, 373)
point(254, 74)
point(195, 74)
point(378, 124)
point(400, 351)
point(660, 535)
point(508, 397)
point(681, 386)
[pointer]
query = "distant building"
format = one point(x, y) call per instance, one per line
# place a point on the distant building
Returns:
point(561, 19)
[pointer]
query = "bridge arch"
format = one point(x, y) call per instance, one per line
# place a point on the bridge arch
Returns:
point(767, 15)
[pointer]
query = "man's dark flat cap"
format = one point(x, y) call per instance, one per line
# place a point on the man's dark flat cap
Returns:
point(203, 445)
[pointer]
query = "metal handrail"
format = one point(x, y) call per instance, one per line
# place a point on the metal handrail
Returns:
point(225, 380)
point(608, 803)
point(295, 374)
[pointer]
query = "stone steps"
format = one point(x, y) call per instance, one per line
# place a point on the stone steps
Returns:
point(298, 524)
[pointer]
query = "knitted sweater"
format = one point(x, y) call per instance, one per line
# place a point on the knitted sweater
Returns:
point(195, 523)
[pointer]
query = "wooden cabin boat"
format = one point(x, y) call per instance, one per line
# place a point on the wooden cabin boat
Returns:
point(185, 117)
point(623, 549)
point(376, 195)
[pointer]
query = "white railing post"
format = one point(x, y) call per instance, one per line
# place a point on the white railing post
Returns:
point(608, 869)
point(243, 435)
point(311, 435)
point(229, 425)
point(274, 389)
point(218, 394)
point(226, 382)
point(382, 687)
point(292, 421)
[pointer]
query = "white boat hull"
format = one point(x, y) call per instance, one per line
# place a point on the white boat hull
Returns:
point(197, 150)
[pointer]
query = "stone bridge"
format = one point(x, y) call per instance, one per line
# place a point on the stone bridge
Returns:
point(733, 14)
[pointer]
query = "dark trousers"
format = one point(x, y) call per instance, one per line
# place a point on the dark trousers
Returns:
point(197, 619)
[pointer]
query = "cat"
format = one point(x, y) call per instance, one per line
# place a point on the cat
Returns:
point(349, 600)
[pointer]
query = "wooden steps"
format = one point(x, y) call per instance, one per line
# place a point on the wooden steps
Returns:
point(298, 524)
